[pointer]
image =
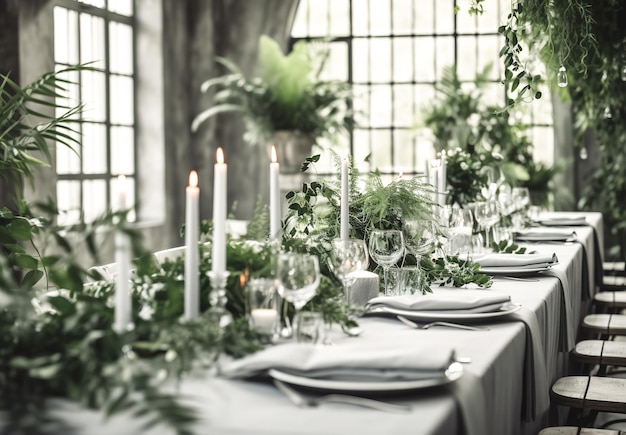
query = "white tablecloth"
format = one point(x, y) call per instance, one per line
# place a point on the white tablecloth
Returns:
point(495, 377)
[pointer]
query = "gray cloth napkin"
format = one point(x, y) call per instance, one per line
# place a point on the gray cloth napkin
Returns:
point(564, 221)
point(347, 362)
point(453, 301)
point(549, 234)
point(517, 261)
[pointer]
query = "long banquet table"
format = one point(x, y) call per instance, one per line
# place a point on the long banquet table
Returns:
point(492, 396)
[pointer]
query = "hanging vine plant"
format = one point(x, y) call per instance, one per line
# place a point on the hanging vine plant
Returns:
point(582, 44)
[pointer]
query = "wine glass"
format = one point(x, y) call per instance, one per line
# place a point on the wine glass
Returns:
point(298, 277)
point(386, 247)
point(521, 197)
point(487, 215)
point(419, 237)
point(461, 224)
point(347, 256)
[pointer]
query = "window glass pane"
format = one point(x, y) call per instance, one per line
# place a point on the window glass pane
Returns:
point(444, 53)
point(402, 17)
point(466, 23)
point(68, 201)
point(424, 58)
point(94, 149)
point(424, 96)
point(543, 144)
point(336, 67)
point(402, 59)
point(130, 196)
point(360, 18)
point(61, 42)
point(362, 148)
point(319, 19)
point(444, 16)
point(488, 50)
point(300, 24)
point(122, 150)
point(360, 60)
point(92, 40)
point(381, 150)
point(466, 67)
point(340, 18)
point(121, 48)
point(380, 106)
point(121, 98)
point(380, 60)
point(122, 7)
point(94, 198)
point(424, 16)
point(93, 95)
point(68, 159)
point(404, 109)
point(404, 151)
point(381, 9)
point(71, 97)
point(361, 104)
point(489, 21)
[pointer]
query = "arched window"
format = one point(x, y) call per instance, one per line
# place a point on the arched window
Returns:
point(394, 52)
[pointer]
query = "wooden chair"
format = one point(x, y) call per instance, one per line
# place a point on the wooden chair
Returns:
point(586, 396)
point(107, 272)
point(604, 325)
point(601, 354)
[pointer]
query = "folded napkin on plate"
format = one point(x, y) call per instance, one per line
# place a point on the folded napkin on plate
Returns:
point(546, 234)
point(347, 361)
point(517, 261)
point(563, 221)
point(455, 301)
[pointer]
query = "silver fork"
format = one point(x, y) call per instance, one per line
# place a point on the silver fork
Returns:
point(447, 324)
point(302, 401)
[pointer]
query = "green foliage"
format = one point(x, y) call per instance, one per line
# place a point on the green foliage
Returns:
point(477, 135)
point(508, 247)
point(457, 271)
point(288, 94)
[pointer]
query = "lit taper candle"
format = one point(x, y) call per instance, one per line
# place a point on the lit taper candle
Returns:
point(123, 302)
point(345, 196)
point(218, 257)
point(192, 231)
point(274, 196)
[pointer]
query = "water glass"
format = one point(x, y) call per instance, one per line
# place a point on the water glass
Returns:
point(345, 258)
point(309, 327)
point(263, 312)
point(487, 215)
point(298, 277)
point(404, 280)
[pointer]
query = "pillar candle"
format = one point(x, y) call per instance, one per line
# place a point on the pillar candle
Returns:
point(218, 257)
point(345, 196)
point(275, 206)
point(442, 179)
point(192, 231)
point(123, 302)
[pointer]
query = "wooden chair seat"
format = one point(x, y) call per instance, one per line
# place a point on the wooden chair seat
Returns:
point(603, 352)
point(611, 301)
point(574, 430)
point(606, 324)
point(593, 393)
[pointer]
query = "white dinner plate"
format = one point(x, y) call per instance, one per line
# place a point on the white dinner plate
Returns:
point(454, 372)
point(512, 270)
point(544, 238)
point(507, 308)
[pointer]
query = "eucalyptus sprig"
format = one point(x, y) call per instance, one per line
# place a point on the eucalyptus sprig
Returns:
point(508, 247)
point(458, 272)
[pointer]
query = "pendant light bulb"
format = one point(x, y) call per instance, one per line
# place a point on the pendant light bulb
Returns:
point(583, 153)
point(561, 77)
point(623, 73)
point(607, 113)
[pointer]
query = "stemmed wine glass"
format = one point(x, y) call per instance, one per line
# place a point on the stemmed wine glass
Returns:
point(487, 215)
point(460, 230)
point(419, 237)
point(386, 247)
point(347, 256)
point(298, 277)
point(494, 178)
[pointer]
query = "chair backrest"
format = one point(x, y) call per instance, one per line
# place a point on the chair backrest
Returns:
point(237, 227)
point(170, 254)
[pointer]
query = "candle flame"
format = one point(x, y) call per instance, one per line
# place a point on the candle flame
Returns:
point(121, 178)
point(193, 179)
point(274, 157)
point(219, 156)
point(242, 280)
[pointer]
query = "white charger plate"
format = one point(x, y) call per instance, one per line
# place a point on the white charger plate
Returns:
point(451, 374)
point(429, 316)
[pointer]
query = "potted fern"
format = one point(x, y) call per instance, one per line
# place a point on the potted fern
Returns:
point(287, 104)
